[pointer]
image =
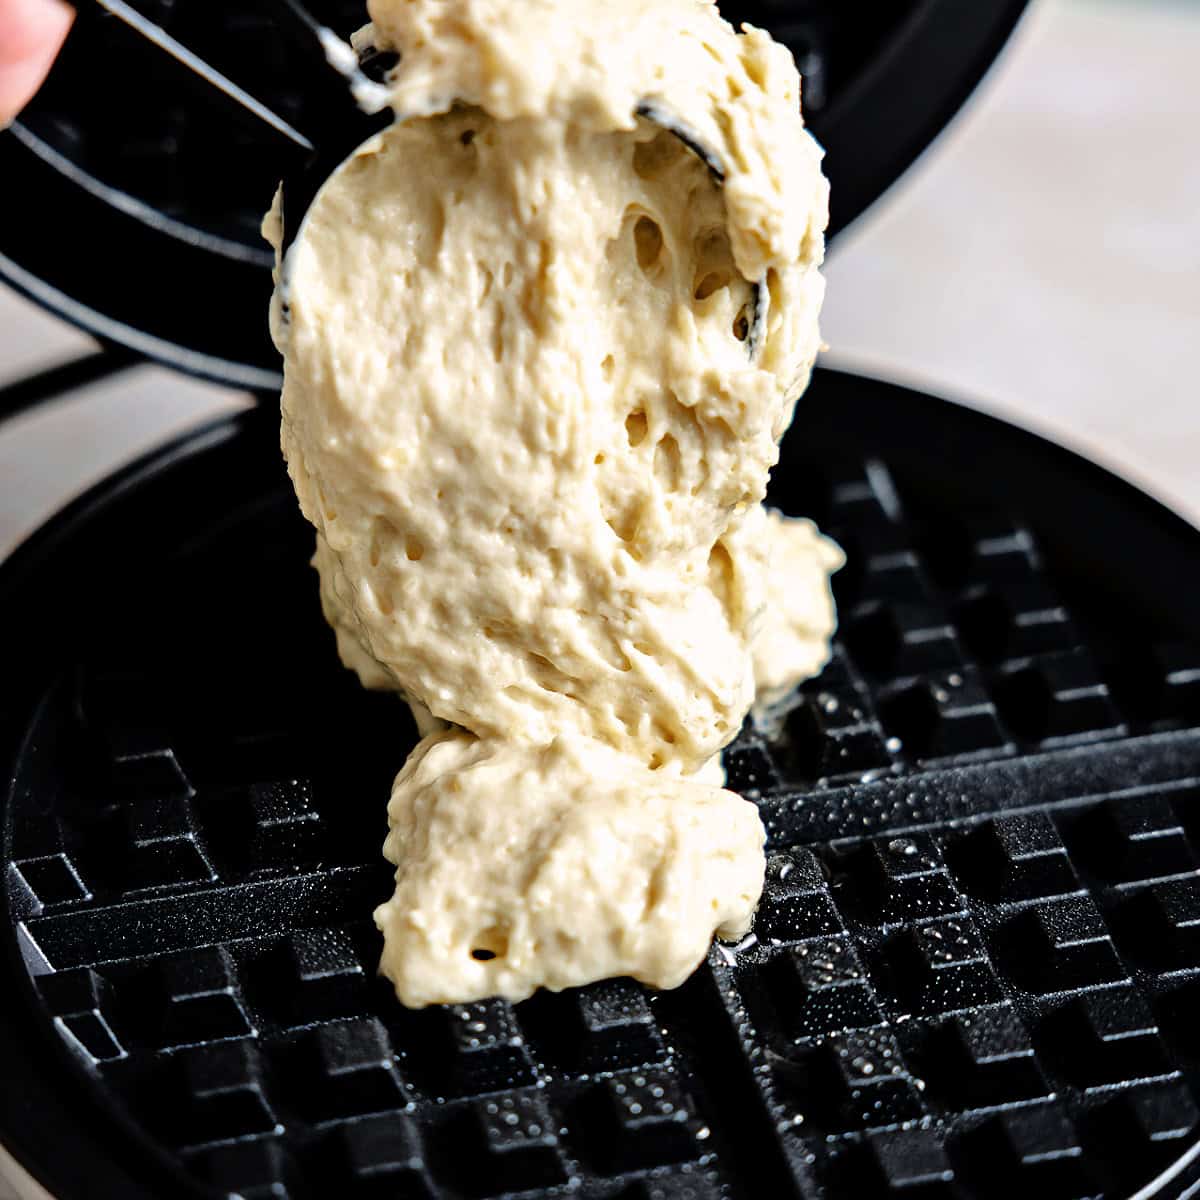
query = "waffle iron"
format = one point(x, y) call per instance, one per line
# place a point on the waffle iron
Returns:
point(976, 968)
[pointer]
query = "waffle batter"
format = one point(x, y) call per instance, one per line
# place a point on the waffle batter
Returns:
point(538, 357)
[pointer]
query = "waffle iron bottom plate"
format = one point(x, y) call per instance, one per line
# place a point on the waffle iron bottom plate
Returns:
point(975, 971)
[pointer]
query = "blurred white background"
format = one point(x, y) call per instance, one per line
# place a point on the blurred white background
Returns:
point(1042, 262)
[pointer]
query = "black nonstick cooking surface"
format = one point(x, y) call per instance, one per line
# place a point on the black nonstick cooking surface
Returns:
point(975, 971)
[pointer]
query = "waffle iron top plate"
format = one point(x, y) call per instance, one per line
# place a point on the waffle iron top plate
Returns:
point(142, 194)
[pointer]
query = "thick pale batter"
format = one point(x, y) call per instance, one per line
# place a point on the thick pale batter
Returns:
point(538, 355)
point(557, 864)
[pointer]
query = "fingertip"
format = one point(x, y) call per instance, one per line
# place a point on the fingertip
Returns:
point(31, 35)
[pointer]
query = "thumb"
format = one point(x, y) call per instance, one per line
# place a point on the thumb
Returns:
point(31, 33)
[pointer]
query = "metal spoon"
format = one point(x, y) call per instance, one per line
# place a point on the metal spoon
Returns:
point(344, 126)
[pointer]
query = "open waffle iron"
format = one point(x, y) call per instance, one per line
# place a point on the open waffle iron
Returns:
point(976, 969)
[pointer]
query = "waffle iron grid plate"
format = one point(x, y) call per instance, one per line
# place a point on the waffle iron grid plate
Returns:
point(975, 971)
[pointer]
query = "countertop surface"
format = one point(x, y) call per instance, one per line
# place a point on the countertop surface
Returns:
point(1041, 262)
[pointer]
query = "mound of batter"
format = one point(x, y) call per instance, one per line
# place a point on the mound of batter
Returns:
point(539, 351)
